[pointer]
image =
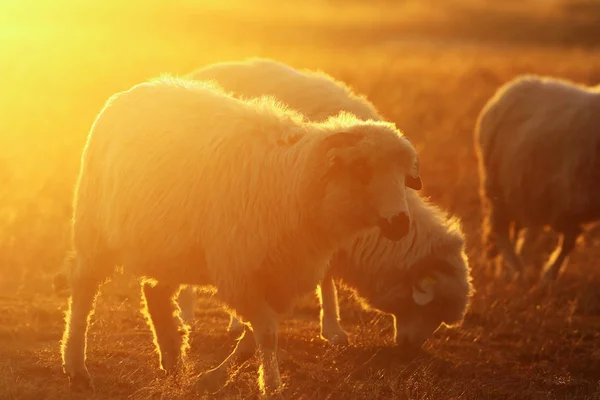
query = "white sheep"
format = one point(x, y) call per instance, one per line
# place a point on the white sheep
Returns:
point(538, 147)
point(380, 271)
point(175, 174)
point(423, 281)
point(316, 93)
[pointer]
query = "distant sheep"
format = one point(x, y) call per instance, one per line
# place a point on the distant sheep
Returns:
point(183, 184)
point(423, 280)
point(538, 145)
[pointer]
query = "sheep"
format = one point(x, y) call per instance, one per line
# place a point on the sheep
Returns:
point(538, 150)
point(381, 272)
point(299, 89)
point(423, 281)
point(315, 93)
point(176, 173)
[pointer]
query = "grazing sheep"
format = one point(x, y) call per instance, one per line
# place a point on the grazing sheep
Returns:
point(423, 280)
point(298, 89)
point(176, 173)
point(380, 271)
point(538, 146)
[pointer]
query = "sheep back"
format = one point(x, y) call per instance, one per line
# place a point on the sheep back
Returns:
point(256, 77)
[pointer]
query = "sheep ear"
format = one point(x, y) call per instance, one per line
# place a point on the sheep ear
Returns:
point(423, 292)
point(340, 139)
point(413, 180)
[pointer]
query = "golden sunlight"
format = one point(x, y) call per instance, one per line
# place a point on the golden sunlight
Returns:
point(428, 314)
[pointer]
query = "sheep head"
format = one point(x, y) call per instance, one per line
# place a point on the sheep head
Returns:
point(422, 298)
point(368, 168)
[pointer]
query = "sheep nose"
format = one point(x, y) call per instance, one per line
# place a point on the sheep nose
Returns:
point(395, 228)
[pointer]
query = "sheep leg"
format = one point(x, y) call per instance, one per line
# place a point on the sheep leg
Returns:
point(84, 286)
point(529, 237)
point(502, 236)
point(216, 377)
point(331, 330)
point(265, 327)
point(520, 235)
point(186, 301)
point(519, 240)
point(235, 327)
point(517, 228)
point(568, 239)
point(170, 334)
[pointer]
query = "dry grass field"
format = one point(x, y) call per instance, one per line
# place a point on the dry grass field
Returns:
point(428, 67)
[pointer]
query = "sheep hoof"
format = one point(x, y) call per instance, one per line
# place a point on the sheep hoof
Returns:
point(274, 395)
point(334, 334)
point(171, 363)
point(80, 382)
point(337, 338)
point(272, 387)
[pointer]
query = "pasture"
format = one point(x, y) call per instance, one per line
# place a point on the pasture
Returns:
point(59, 64)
